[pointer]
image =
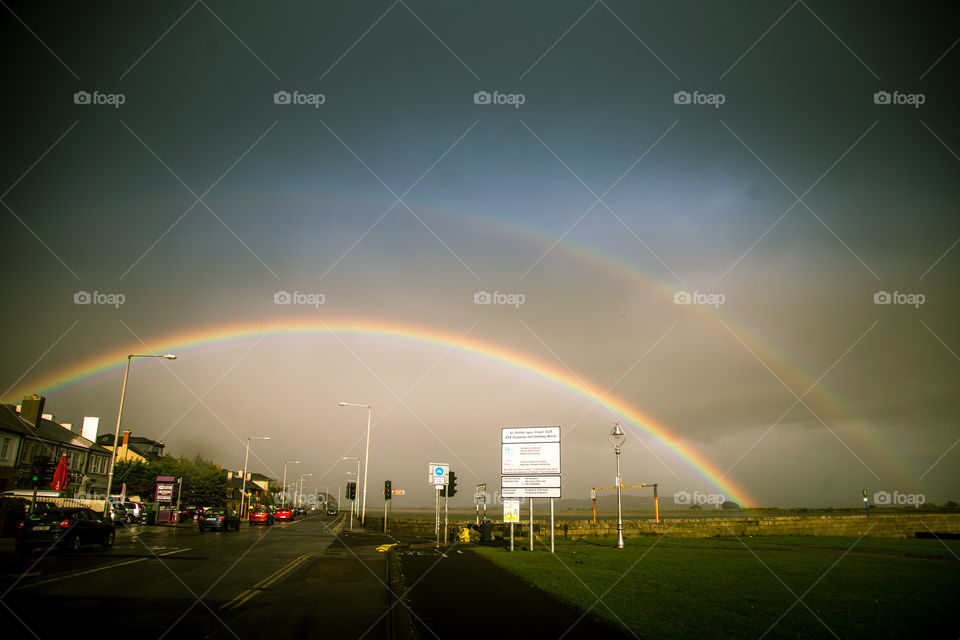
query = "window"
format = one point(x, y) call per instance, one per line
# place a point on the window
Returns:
point(5, 448)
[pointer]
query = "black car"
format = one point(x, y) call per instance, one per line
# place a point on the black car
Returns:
point(331, 512)
point(219, 518)
point(65, 528)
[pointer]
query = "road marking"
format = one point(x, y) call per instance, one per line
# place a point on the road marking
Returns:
point(385, 547)
point(263, 584)
point(96, 569)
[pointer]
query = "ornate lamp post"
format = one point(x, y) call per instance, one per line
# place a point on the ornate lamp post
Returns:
point(617, 437)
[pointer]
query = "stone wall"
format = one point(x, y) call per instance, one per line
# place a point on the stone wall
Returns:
point(898, 525)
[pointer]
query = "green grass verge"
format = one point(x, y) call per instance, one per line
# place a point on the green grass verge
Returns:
point(748, 588)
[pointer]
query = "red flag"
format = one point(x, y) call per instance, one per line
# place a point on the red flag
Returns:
point(60, 475)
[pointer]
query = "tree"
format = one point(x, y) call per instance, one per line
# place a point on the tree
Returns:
point(730, 505)
point(203, 482)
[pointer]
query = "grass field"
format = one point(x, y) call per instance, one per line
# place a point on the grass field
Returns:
point(771, 587)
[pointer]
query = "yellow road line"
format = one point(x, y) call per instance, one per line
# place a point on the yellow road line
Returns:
point(263, 584)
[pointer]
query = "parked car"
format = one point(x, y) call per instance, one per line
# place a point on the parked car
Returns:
point(261, 515)
point(187, 513)
point(118, 514)
point(285, 513)
point(222, 518)
point(331, 511)
point(66, 528)
point(135, 511)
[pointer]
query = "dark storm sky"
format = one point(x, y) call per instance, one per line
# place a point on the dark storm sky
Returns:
point(798, 199)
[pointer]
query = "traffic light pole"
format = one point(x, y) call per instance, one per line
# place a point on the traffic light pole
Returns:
point(446, 513)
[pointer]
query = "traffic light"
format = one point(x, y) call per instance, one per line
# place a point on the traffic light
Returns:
point(36, 471)
point(351, 491)
point(452, 485)
point(387, 490)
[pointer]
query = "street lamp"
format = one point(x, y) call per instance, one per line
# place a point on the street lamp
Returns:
point(116, 434)
point(300, 493)
point(283, 501)
point(366, 458)
point(617, 437)
point(243, 483)
point(353, 503)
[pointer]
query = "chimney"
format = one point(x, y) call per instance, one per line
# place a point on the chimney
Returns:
point(31, 409)
point(90, 425)
point(67, 425)
point(126, 437)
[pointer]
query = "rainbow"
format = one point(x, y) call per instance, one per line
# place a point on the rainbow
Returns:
point(214, 336)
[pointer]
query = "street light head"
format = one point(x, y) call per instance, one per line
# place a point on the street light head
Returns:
point(170, 356)
point(617, 435)
point(341, 404)
point(292, 462)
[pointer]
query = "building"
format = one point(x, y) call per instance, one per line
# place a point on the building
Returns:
point(133, 448)
point(12, 431)
point(40, 437)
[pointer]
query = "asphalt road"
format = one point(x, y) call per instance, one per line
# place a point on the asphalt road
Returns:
point(288, 580)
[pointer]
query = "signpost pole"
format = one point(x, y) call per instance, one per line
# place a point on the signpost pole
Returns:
point(511, 536)
point(436, 518)
point(551, 525)
point(446, 512)
point(531, 523)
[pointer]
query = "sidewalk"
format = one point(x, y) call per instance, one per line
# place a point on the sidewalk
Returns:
point(461, 590)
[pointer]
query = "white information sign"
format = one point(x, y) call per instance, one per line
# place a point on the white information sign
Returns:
point(437, 473)
point(511, 511)
point(530, 492)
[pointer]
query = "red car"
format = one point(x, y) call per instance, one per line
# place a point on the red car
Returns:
point(284, 514)
point(261, 515)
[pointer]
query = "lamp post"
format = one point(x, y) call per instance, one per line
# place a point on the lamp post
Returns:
point(116, 433)
point(243, 483)
point(366, 459)
point(283, 501)
point(300, 494)
point(617, 437)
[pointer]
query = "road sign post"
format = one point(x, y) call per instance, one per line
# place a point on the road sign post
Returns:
point(511, 514)
point(530, 467)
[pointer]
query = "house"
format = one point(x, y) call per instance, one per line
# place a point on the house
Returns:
point(12, 431)
point(256, 487)
point(40, 437)
point(133, 448)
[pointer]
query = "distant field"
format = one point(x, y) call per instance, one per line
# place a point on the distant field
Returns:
point(749, 588)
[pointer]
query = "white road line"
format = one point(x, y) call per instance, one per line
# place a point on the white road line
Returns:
point(96, 569)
